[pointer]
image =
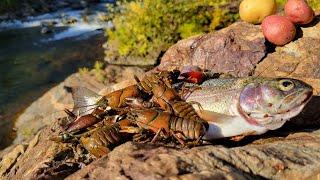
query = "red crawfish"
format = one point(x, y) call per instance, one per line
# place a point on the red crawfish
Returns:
point(97, 141)
point(80, 122)
point(161, 122)
point(86, 101)
point(90, 107)
point(168, 99)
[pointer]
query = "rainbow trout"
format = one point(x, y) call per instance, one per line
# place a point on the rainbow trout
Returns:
point(249, 106)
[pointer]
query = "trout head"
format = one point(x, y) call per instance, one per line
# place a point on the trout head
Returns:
point(271, 102)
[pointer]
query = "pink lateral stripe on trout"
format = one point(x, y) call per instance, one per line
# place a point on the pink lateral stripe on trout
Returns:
point(239, 106)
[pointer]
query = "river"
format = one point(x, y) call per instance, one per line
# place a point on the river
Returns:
point(31, 63)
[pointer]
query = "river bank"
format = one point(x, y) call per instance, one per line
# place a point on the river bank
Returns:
point(32, 62)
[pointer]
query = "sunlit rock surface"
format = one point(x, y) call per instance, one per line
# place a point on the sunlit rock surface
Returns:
point(234, 50)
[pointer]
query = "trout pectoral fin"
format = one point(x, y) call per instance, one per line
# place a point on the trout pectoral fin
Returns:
point(84, 100)
point(214, 117)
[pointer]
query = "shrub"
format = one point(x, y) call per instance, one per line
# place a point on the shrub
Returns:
point(143, 27)
point(97, 71)
point(7, 5)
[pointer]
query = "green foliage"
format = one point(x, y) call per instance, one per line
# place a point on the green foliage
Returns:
point(281, 3)
point(98, 71)
point(7, 5)
point(83, 70)
point(143, 27)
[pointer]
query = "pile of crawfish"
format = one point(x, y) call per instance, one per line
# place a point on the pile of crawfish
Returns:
point(152, 110)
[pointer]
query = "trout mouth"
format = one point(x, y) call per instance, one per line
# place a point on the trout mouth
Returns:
point(308, 98)
point(302, 103)
point(274, 121)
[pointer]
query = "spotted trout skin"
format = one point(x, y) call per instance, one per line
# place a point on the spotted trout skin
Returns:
point(252, 105)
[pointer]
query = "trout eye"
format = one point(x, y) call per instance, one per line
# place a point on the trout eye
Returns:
point(286, 85)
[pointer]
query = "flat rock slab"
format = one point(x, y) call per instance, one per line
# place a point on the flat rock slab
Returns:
point(295, 156)
point(41, 158)
point(234, 50)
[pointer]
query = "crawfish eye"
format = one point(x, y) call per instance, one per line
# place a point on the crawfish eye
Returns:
point(286, 85)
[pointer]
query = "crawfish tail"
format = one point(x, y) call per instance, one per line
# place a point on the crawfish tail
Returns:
point(185, 110)
point(191, 129)
point(99, 141)
point(150, 119)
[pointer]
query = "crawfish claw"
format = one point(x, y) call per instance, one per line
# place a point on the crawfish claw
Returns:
point(64, 137)
point(136, 102)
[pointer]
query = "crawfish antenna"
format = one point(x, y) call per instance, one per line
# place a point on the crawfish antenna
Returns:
point(136, 79)
point(69, 113)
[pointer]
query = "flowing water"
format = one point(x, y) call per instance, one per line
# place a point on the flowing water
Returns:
point(31, 63)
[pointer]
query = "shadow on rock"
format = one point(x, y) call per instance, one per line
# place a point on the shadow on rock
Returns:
point(315, 21)
point(299, 33)
point(310, 115)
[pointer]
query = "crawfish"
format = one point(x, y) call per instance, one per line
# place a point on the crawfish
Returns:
point(97, 141)
point(80, 122)
point(91, 107)
point(117, 99)
point(166, 77)
point(87, 101)
point(159, 122)
point(168, 99)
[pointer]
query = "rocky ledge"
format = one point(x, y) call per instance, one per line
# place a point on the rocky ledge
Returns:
point(295, 156)
point(240, 50)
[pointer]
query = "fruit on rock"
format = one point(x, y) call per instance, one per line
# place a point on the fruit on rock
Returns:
point(254, 11)
point(278, 30)
point(298, 11)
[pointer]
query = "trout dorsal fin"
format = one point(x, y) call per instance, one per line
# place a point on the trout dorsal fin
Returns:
point(85, 100)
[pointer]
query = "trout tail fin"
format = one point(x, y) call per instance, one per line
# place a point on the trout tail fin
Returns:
point(85, 100)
